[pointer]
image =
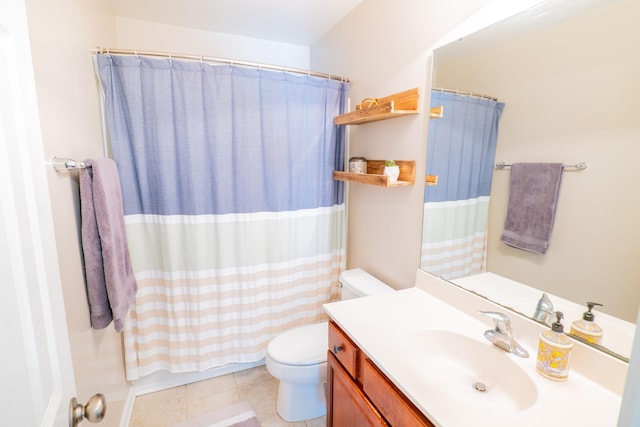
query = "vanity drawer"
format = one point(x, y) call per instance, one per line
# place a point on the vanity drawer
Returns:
point(393, 406)
point(343, 349)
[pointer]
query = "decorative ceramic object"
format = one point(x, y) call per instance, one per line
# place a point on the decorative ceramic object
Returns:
point(391, 170)
point(358, 165)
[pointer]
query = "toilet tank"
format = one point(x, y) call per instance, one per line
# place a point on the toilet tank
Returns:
point(357, 283)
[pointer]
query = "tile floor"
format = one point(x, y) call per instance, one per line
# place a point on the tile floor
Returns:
point(168, 407)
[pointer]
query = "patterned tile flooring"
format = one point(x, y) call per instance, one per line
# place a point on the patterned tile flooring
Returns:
point(168, 407)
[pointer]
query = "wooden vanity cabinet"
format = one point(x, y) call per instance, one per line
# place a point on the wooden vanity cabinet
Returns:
point(347, 405)
point(359, 394)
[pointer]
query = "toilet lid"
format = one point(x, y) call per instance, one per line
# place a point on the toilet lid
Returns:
point(306, 345)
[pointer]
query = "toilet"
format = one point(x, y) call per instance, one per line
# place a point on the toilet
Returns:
point(298, 357)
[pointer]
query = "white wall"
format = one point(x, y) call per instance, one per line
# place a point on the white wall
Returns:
point(144, 35)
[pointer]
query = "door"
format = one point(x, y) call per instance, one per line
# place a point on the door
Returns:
point(36, 375)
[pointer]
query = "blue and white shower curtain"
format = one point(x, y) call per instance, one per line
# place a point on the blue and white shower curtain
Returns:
point(235, 225)
point(461, 150)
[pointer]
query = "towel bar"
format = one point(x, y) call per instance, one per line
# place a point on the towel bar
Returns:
point(61, 164)
point(579, 166)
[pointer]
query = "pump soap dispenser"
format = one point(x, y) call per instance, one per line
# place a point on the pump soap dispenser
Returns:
point(554, 349)
point(586, 327)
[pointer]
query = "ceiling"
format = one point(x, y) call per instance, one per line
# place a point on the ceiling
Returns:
point(299, 22)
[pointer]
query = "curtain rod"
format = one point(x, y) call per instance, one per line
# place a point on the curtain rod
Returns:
point(210, 59)
point(465, 93)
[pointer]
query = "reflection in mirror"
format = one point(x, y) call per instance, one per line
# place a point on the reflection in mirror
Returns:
point(461, 153)
point(567, 75)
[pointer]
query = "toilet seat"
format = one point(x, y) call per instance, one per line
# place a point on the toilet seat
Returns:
point(302, 346)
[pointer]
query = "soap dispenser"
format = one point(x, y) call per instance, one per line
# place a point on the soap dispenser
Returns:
point(586, 327)
point(554, 349)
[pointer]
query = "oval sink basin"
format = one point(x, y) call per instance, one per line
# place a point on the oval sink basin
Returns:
point(460, 368)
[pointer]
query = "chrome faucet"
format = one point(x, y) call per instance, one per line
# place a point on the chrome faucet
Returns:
point(544, 311)
point(502, 335)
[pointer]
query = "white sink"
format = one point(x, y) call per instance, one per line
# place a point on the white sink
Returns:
point(456, 367)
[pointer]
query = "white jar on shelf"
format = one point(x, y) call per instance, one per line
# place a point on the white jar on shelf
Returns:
point(358, 165)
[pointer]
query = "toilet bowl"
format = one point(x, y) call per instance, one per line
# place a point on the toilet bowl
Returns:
point(298, 357)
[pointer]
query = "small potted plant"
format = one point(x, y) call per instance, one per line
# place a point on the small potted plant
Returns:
point(391, 170)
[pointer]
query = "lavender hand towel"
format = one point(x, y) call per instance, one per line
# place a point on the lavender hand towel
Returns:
point(533, 198)
point(111, 284)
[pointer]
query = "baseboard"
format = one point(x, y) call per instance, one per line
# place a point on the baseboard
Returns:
point(127, 411)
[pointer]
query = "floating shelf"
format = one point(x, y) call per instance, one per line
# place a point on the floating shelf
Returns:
point(374, 174)
point(436, 112)
point(396, 105)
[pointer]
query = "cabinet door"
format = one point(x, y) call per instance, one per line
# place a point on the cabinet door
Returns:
point(347, 406)
point(390, 401)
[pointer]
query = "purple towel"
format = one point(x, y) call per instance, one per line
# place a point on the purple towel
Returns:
point(111, 284)
point(533, 197)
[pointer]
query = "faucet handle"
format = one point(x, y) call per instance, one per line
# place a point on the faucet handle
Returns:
point(502, 336)
point(501, 320)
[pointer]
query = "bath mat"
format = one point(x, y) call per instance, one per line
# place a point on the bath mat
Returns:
point(235, 415)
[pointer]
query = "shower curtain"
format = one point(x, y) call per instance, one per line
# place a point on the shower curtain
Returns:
point(235, 225)
point(461, 151)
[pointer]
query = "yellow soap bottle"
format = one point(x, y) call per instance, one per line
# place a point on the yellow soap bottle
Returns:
point(586, 327)
point(554, 349)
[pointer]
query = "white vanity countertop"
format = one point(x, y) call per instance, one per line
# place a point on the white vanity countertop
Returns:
point(382, 326)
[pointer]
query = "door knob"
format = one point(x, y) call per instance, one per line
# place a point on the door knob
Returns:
point(93, 411)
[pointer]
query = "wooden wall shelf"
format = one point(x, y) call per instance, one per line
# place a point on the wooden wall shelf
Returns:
point(431, 180)
point(396, 105)
point(436, 112)
point(374, 174)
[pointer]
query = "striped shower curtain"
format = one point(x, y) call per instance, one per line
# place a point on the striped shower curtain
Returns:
point(461, 151)
point(235, 225)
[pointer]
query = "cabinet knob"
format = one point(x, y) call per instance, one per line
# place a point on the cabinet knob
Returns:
point(337, 349)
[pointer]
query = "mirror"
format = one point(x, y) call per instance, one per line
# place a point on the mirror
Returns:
point(567, 72)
